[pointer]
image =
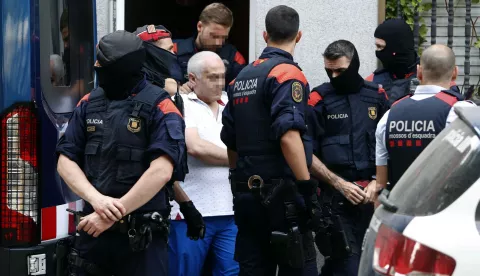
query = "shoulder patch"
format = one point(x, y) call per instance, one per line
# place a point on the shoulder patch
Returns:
point(370, 78)
point(167, 106)
point(83, 99)
point(297, 91)
point(314, 98)
point(285, 72)
point(175, 47)
point(259, 61)
point(239, 58)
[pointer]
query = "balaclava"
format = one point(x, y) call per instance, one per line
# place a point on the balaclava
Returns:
point(399, 54)
point(349, 81)
point(120, 55)
point(159, 62)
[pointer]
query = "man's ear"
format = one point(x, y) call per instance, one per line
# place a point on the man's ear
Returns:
point(455, 73)
point(265, 36)
point(192, 78)
point(419, 72)
point(299, 36)
point(199, 26)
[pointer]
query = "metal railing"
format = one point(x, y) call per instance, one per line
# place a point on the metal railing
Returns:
point(464, 9)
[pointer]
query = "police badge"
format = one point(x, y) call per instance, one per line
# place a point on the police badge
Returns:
point(372, 112)
point(134, 125)
point(297, 92)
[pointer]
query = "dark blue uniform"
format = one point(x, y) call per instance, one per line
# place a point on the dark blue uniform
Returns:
point(411, 126)
point(395, 87)
point(114, 143)
point(185, 49)
point(347, 148)
point(267, 99)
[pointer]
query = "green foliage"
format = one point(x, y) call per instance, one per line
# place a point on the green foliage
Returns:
point(408, 10)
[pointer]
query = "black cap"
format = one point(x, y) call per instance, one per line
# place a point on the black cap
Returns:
point(116, 45)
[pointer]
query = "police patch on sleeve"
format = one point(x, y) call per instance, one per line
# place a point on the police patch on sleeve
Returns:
point(297, 92)
point(134, 125)
point(372, 112)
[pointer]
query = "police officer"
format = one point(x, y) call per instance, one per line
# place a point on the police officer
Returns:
point(161, 63)
point(264, 131)
point(213, 27)
point(124, 143)
point(395, 49)
point(347, 109)
point(414, 121)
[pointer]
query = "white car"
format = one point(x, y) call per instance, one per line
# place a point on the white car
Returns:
point(430, 223)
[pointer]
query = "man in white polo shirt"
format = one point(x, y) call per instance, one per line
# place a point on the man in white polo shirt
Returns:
point(207, 182)
point(414, 121)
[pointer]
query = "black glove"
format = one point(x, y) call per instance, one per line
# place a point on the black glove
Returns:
point(307, 188)
point(194, 220)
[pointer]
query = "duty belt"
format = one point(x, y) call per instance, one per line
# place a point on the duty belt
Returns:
point(265, 191)
point(155, 220)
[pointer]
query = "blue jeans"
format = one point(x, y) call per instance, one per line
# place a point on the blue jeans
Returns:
point(187, 257)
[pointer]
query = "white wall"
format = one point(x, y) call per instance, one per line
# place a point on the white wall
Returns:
point(323, 22)
point(102, 18)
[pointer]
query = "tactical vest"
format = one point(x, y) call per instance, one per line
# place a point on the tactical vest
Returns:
point(253, 120)
point(412, 125)
point(185, 50)
point(395, 88)
point(117, 135)
point(348, 144)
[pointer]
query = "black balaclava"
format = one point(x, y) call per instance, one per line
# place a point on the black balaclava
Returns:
point(159, 62)
point(399, 54)
point(120, 55)
point(349, 81)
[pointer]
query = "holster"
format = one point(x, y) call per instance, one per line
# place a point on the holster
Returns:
point(142, 226)
point(288, 247)
point(336, 239)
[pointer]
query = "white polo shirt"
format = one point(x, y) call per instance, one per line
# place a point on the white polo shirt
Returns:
point(422, 92)
point(206, 185)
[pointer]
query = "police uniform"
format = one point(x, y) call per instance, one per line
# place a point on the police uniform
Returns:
point(395, 87)
point(268, 98)
point(185, 49)
point(347, 148)
point(114, 143)
point(411, 124)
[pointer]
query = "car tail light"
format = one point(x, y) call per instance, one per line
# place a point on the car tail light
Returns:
point(396, 254)
point(19, 211)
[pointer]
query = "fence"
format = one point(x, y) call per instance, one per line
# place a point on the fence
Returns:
point(447, 22)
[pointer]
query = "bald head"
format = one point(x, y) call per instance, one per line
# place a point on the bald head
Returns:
point(437, 65)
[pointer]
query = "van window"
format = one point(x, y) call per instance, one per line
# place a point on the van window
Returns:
point(66, 54)
point(441, 174)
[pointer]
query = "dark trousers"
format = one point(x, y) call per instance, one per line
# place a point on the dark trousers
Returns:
point(253, 250)
point(111, 252)
point(355, 221)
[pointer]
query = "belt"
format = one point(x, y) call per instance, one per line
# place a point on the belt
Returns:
point(155, 220)
point(255, 183)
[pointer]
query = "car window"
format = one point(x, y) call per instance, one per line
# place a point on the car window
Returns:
point(66, 55)
point(441, 174)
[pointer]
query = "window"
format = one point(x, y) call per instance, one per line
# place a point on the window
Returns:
point(66, 55)
point(441, 174)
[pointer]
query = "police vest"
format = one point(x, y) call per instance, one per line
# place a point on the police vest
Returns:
point(348, 144)
point(412, 125)
point(252, 117)
point(185, 50)
point(396, 89)
point(117, 135)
